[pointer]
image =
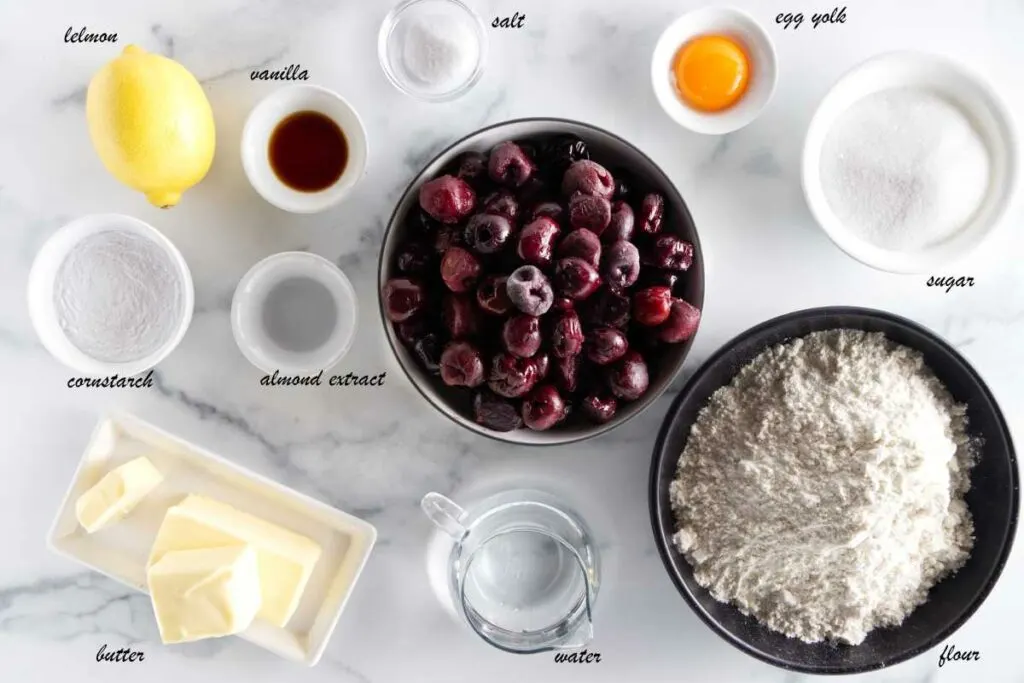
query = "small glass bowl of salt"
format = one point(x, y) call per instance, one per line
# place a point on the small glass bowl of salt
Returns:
point(432, 50)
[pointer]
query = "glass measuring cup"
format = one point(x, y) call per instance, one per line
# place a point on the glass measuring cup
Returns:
point(522, 570)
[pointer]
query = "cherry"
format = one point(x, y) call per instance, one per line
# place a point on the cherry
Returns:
point(403, 298)
point(459, 269)
point(543, 408)
point(530, 291)
point(599, 409)
point(628, 378)
point(511, 376)
point(488, 233)
point(669, 252)
point(521, 335)
point(567, 335)
point(651, 306)
point(536, 243)
point(592, 213)
point(494, 412)
point(681, 324)
point(606, 345)
point(462, 365)
point(582, 244)
point(502, 203)
point(510, 165)
point(621, 223)
point(492, 295)
point(575, 278)
point(652, 210)
point(447, 199)
point(620, 264)
point(588, 177)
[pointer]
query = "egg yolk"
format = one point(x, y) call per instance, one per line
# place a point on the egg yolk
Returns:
point(711, 73)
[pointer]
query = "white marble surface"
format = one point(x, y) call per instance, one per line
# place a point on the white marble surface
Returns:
point(376, 451)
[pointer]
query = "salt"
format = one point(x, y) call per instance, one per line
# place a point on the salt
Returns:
point(440, 51)
point(904, 169)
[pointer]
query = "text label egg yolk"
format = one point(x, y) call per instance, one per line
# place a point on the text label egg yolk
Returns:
point(711, 73)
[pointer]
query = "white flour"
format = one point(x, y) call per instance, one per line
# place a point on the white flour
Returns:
point(822, 490)
point(904, 169)
point(118, 296)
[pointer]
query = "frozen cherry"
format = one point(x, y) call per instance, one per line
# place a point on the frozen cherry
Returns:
point(608, 307)
point(488, 233)
point(567, 373)
point(567, 335)
point(575, 278)
point(620, 264)
point(606, 345)
point(403, 298)
point(652, 210)
point(459, 316)
point(530, 290)
point(459, 269)
point(599, 409)
point(552, 210)
point(620, 227)
point(651, 306)
point(628, 378)
point(510, 164)
point(536, 243)
point(543, 408)
point(413, 258)
point(503, 203)
point(521, 335)
point(588, 177)
point(495, 412)
point(462, 365)
point(669, 252)
point(511, 376)
point(472, 167)
point(543, 364)
point(582, 244)
point(492, 295)
point(448, 199)
point(681, 324)
point(592, 213)
point(427, 350)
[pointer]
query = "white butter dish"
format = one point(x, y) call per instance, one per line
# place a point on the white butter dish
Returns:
point(121, 550)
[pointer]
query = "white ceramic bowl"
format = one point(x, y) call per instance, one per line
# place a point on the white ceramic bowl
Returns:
point(247, 307)
point(270, 111)
point(965, 90)
point(390, 44)
point(724, 21)
point(40, 294)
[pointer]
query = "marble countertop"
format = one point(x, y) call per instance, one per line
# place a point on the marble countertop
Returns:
point(376, 451)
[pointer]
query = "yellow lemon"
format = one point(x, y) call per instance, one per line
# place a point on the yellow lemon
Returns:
point(151, 124)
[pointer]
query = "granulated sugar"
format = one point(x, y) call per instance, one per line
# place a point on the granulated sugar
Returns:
point(822, 490)
point(904, 169)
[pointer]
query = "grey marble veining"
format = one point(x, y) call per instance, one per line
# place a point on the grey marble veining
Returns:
point(375, 452)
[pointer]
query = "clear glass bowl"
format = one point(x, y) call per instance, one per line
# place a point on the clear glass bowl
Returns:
point(393, 37)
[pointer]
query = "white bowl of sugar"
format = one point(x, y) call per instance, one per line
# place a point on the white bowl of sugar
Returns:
point(910, 162)
point(109, 294)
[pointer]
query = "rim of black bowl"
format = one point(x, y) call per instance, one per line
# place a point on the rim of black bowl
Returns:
point(598, 430)
point(671, 561)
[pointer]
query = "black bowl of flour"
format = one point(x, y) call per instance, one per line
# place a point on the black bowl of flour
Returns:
point(993, 500)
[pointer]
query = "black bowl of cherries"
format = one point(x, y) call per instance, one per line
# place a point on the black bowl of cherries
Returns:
point(541, 281)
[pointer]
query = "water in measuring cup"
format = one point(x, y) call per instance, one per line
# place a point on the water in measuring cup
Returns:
point(524, 580)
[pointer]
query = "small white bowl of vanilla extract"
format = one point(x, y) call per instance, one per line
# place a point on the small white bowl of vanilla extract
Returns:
point(304, 148)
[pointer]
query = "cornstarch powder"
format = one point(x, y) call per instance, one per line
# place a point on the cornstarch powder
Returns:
point(118, 296)
point(822, 490)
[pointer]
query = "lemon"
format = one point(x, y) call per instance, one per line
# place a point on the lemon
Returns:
point(151, 124)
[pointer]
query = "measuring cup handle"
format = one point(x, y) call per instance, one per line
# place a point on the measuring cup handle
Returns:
point(445, 514)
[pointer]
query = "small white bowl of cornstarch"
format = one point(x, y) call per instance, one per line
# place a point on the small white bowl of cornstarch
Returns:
point(910, 162)
point(109, 294)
